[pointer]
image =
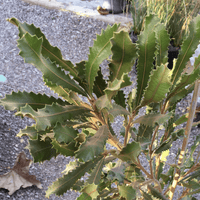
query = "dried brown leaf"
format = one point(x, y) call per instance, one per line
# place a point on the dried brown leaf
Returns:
point(19, 176)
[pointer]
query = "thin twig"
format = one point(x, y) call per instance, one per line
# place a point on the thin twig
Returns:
point(192, 169)
point(143, 169)
point(152, 141)
point(185, 140)
point(128, 127)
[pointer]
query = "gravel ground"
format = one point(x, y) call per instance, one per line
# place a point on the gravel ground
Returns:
point(73, 35)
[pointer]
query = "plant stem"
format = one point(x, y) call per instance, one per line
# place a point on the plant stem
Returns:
point(143, 169)
point(185, 140)
point(128, 127)
point(193, 168)
point(100, 118)
point(152, 141)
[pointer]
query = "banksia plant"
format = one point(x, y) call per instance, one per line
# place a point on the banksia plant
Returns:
point(82, 129)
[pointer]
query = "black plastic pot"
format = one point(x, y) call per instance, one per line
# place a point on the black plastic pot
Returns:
point(114, 6)
point(172, 52)
point(197, 116)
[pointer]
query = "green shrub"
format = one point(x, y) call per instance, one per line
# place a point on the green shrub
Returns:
point(79, 129)
point(175, 14)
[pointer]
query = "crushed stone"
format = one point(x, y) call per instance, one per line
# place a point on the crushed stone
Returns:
point(74, 35)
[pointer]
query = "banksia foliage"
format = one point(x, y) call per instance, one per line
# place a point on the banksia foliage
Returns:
point(72, 127)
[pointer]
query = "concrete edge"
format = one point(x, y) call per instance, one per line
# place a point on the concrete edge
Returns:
point(50, 4)
point(111, 18)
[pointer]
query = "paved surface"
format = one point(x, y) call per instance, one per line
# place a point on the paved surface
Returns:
point(81, 7)
point(84, 7)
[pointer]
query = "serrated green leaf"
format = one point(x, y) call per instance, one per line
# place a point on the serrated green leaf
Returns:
point(106, 192)
point(168, 125)
point(182, 119)
point(32, 132)
point(51, 114)
point(165, 178)
point(116, 85)
point(187, 49)
point(146, 48)
point(194, 192)
point(123, 55)
point(67, 181)
point(120, 99)
point(81, 78)
point(146, 195)
point(84, 196)
point(133, 173)
point(160, 168)
point(80, 138)
point(96, 173)
point(78, 185)
point(186, 80)
point(127, 192)
point(117, 110)
point(151, 119)
point(110, 128)
point(130, 152)
point(99, 85)
point(93, 146)
point(167, 144)
point(31, 47)
point(152, 108)
point(65, 149)
point(180, 95)
point(103, 102)
point(104, 184)
point(158, 86)
point(70, 166)
point(117, 172)
point(132, 100)
point(164, 146)
point(79, 124)
point(91, 191)
point(69, 96)
point(144, 135)
point(64, 133)
point(156, 193)
point(163, 40)
point(41, 150)
point(48, 51)
point(98, 53)
point(191, 185)
point(191, 176)
point(20, 99)
point(122, 131)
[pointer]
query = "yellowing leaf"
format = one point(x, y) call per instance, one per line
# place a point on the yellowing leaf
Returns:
point(164, 155)
point(91, 190)
point(19, 176)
